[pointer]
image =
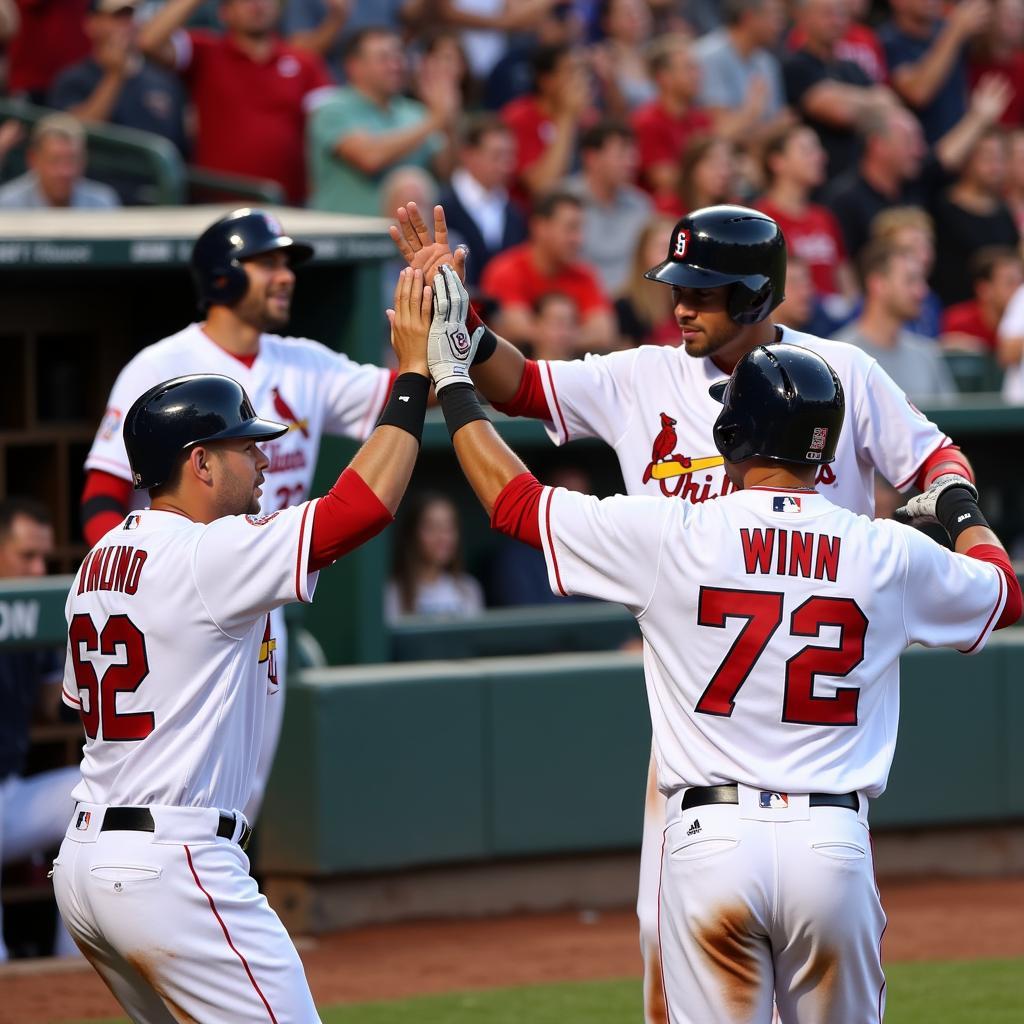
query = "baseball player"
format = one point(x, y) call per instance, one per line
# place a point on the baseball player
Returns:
point(170, 656)
point(243, 266)
point(727, 268)
point(773, 621)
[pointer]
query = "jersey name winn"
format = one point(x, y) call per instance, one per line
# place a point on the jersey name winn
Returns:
point(773, 622)
point(292, 380)
point(169, 654)
point(651, 404)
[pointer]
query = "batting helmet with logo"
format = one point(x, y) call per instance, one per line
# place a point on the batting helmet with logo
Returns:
point(782, 402)
point(219, 251)
point(180, 413)
point(728, 245)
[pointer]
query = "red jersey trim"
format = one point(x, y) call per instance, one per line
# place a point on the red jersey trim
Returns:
point(945, 442)
point(554, 398)
point(68, 699)
point(551, 544)
point(298, 554)
point(992, 615)
point(227, 936)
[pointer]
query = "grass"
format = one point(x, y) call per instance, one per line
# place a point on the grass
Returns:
point(962, 992)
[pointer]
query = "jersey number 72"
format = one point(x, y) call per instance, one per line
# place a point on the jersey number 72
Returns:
point(119, 631)
point(763, 612)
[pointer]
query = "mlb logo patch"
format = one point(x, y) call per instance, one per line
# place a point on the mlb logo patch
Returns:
point(82, 823)
point(133, 521)
point(772, 801)
point(785, 503)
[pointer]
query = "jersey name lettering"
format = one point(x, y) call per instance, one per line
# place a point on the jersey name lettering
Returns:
point(116, 567)
point(281, 462)
point(790, 553)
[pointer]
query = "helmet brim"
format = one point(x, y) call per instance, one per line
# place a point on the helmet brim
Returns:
point(298, 252)
point(683, 275)
point(717, 391)
point(258, 429)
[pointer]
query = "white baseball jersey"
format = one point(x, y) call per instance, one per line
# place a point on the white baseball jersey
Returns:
point(651, 404)
point(293, 380)
point(169, 653)
point(773, 622)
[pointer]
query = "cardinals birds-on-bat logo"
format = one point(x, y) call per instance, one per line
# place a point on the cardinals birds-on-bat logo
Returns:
point(666, 462)
point(284, 410)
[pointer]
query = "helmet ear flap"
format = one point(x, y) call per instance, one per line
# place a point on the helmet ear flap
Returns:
point(752, 305)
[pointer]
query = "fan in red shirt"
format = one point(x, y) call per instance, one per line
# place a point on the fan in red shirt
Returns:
point(794, 165)
point(664, 127)
point(48, 39)
point(549, 262)
point(251, 91)
point(545, 121)
point(1000, 51)
point(996, 273)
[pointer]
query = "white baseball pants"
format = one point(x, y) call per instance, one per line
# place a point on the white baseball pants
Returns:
point(175, 925)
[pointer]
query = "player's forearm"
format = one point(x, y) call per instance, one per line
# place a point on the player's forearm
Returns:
point(487, 462)
point(498, 378)
point(385, 464)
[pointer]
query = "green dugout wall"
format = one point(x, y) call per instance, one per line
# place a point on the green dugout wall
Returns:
point(391, 767)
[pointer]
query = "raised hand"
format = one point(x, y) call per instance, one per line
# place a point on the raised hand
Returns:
point(410, 321)
point(450, 349)
point(421, 251)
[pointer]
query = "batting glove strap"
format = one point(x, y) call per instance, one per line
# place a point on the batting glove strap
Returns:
point(957, 510)
point(922, 509)
point(407, 405)
point(460, 405)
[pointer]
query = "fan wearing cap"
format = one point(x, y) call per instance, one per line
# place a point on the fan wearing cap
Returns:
point(726, 266)
point(244, 269)
point(171, 655)
point(773, 621)
point(115, 85)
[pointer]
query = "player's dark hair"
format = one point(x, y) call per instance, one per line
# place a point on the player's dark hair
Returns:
point(546, 59)
point(406, 561)
point(19, 505)
point(982, 264)
point(595, 137)
point(547, 206)
point(353, 45)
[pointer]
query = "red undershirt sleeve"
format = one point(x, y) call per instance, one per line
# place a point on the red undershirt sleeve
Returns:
point(347, 516)
point(517, 510)
point(105, 502)
point(948, 459)
point(529, 399)
point(996, 556)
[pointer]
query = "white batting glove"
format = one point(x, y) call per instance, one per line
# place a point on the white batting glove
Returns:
point(920, 510)
point(450, 349)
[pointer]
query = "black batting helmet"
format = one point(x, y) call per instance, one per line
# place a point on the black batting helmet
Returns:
point(782, 402)
point(219, 251)
point(177, 414)
point(728, 245)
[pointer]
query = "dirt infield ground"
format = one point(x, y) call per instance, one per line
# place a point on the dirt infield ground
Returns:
point(928, 920)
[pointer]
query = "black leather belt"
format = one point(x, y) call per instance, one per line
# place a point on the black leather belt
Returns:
point(140, 819)
point(698, 796)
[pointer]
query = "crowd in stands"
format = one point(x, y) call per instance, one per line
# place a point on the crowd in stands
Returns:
point(564, 137)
